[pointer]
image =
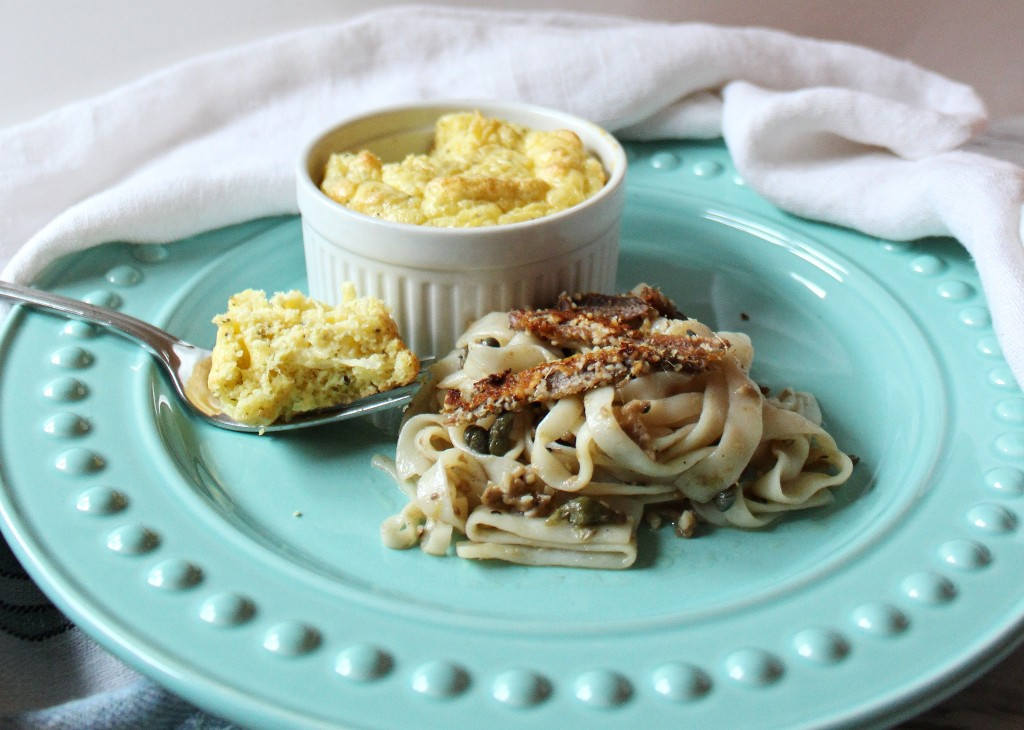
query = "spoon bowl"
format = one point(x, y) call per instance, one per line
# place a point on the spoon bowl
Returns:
point(188, 366)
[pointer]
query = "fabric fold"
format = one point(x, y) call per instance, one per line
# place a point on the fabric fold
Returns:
point(822, 129)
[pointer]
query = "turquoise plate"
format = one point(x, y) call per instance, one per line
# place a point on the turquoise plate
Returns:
point(246, 573)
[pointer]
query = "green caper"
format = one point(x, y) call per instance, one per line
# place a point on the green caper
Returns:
point(476, 438)
point(585, 511)
point(499, 439)
point(749, 474)
point(490, 342)
point(725, 499)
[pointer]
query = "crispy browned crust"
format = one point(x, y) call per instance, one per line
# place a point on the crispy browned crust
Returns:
point(594, 319)
point(644, 293)
point(609, 365)
point(614, 325)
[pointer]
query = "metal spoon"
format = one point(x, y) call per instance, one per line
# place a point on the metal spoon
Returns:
point(189, 366)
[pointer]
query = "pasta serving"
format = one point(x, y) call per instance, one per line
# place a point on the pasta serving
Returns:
point(547, 436)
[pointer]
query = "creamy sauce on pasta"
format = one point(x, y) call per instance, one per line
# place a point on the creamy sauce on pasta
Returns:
point(708, 447)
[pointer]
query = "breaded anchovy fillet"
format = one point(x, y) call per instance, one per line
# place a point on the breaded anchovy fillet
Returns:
point(595, 319)
point(610, 365)
point(644, 293)
point(650, 295)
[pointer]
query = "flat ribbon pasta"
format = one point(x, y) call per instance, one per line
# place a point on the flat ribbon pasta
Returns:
point(695, 441)
point(534, 541)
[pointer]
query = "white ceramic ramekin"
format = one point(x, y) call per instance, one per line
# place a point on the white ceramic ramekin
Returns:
point(438, 280)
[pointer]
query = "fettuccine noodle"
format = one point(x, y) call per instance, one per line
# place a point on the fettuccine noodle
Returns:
point(568, 482)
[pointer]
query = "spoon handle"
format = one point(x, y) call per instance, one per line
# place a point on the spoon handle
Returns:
point(142, 332)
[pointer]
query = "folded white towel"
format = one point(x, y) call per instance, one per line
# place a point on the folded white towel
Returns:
point(825, 130)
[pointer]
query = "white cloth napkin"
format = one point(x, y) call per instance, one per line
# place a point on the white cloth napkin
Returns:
point(825, 130)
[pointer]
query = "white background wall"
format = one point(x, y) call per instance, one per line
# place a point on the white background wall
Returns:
point(56, 51)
